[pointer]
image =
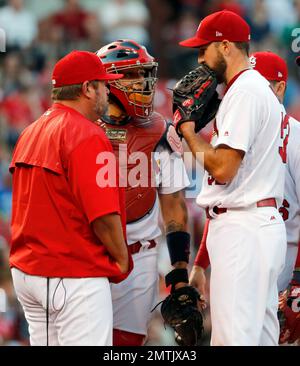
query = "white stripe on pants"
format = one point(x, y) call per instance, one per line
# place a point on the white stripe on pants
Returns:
point(247, 252)
point(80, 309)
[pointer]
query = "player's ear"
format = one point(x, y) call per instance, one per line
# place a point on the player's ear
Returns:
point(86, 89)
point(225, 47)
point(282, 87)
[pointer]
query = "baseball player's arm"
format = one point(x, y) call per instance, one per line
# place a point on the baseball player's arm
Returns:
point(197, 277)
point(221, 162)
point(108, 229)
point(174, 179)
point(174, 213)
point(238, 125)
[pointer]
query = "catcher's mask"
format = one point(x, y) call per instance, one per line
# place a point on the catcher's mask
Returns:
point(135, 91)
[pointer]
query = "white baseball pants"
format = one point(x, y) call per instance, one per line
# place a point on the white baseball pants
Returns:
point(287, 272)
point(135, 297)
point(80, 310)
point(247, 252)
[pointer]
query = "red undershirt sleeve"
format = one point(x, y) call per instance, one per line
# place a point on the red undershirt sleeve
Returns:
point(202, 258)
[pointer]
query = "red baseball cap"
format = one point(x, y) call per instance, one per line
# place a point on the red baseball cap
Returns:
point(270, 66)
point(217, 27)
point(80, 66)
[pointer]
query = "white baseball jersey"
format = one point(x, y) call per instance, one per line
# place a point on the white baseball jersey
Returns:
point(290, 208)
point(170, 177)
point(249, 119)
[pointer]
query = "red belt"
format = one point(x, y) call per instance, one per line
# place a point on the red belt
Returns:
point(268, 202)
point(135, 247)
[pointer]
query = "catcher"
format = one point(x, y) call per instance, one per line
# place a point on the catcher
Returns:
point(132, 125)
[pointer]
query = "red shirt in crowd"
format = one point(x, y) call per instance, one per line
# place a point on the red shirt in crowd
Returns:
point(72, 23)
point(56, 197)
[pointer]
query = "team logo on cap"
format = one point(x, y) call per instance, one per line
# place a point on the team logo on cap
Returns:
point(219, 34)
point(53, 81)
point(280, 74)
point(252, 60)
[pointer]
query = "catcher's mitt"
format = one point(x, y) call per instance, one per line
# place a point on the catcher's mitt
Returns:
point(195, 98)
point(180, 311)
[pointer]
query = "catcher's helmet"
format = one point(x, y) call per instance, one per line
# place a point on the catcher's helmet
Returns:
point(135, 95)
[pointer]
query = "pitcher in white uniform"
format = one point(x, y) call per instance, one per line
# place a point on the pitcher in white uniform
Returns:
point(242, 188)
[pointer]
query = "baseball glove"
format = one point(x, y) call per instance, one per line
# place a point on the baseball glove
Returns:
point(179, 310)
point(195, 98)
point(289, 314)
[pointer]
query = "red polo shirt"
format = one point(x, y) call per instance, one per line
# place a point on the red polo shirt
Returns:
point(56, 197)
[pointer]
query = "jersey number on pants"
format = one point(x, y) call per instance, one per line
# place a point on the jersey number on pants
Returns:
point(284, 210)
point(284, 135)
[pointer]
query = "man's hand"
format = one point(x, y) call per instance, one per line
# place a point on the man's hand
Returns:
point(123, 265)
point(187, 128)
point(197, 279)
point(108, 229)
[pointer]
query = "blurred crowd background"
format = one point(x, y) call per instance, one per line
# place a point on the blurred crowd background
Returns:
point(40, 32)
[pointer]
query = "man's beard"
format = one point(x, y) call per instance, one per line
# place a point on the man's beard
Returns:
point(100, 108)
point(220, 68)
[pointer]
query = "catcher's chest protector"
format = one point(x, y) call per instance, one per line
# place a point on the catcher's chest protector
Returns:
point(138, 136)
